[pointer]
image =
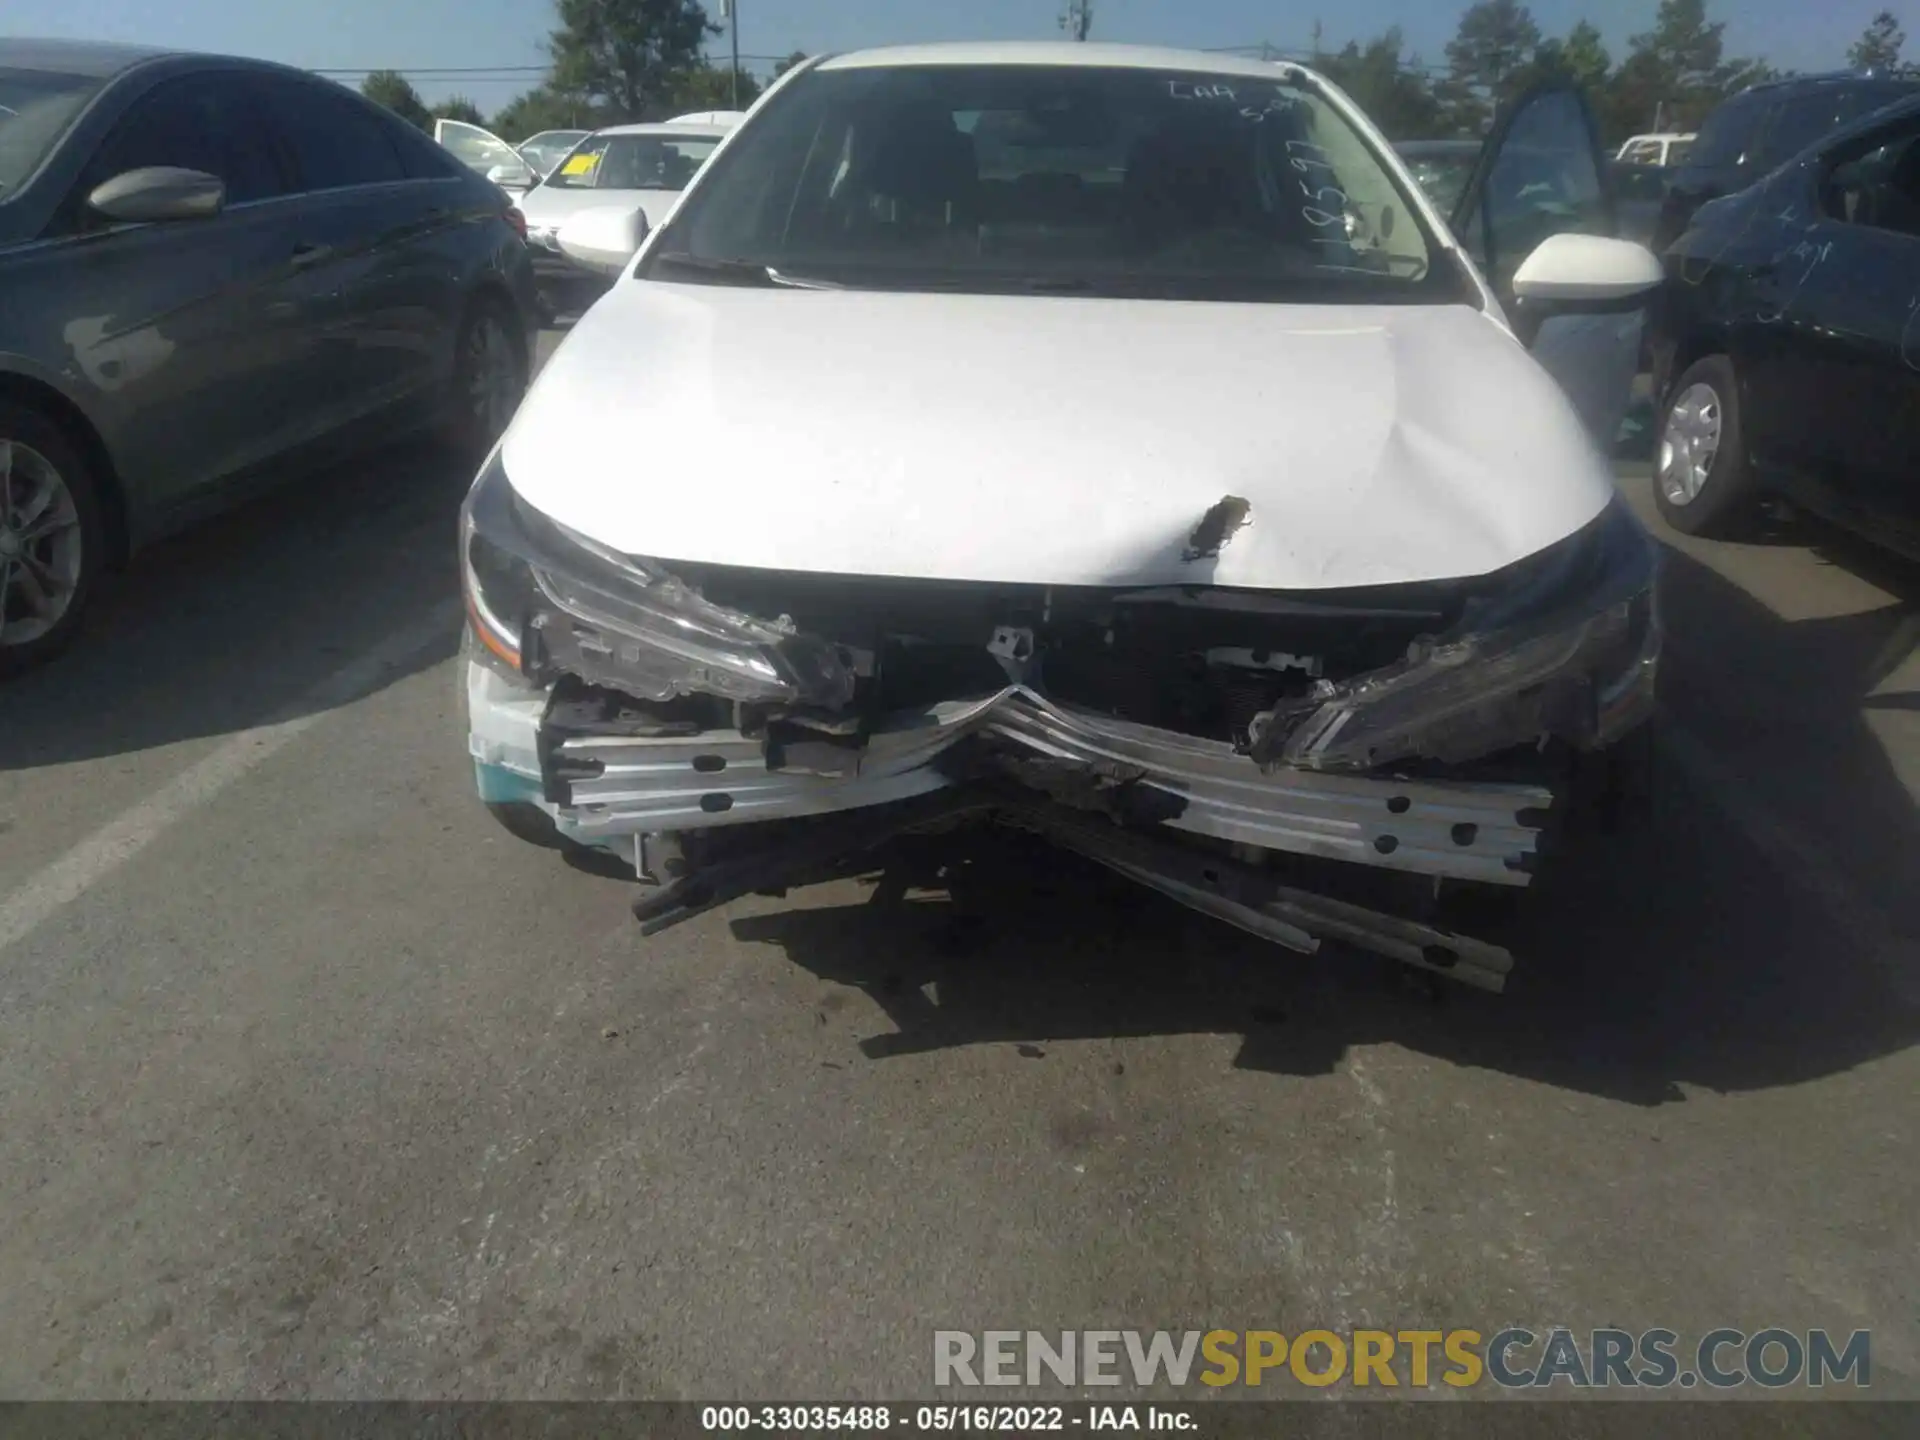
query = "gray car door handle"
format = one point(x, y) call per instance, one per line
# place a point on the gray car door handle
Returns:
point(306, 253)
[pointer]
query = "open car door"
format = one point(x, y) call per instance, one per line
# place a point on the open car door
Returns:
point(1542, 173)
point(485, 152)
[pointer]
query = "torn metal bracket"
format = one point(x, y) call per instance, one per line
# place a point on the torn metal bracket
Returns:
point(1240, 895)
point(1251, 900)
point(808, 854)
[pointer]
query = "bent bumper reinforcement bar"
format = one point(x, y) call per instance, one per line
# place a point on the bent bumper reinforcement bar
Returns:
point(626, 785)
point(1240, 895)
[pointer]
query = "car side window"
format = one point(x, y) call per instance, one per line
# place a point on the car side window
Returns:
point(335, 141)
point(1880, 188)
point(198, 122)
point(1544, 180)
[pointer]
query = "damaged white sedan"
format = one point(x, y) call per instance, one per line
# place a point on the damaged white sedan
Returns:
point(1107, 442)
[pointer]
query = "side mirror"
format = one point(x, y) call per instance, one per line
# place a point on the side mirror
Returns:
point(511, 177)
point(1569, 271)
point(159, 192)
point(605, 239)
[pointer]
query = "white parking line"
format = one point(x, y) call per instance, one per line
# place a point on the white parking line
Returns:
point(120, 839)
point(1799, 861)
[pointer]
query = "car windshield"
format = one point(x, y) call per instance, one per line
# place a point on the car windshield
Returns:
point(1111, 180)
point(36, 106)
point(634, 162)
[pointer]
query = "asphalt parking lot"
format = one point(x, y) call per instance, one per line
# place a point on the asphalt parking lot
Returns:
point(317, 1084)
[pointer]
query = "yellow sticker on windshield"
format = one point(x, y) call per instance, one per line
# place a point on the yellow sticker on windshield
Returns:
point(580, 165)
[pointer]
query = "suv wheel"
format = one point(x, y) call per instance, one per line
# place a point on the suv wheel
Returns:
point(52, 541)
point(1703, 481)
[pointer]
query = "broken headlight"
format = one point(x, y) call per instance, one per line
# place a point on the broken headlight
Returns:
point(543, 598)
point(1564, 644)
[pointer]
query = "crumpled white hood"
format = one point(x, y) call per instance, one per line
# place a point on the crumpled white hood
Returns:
point(1051, 440)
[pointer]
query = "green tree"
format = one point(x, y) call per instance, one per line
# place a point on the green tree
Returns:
point(544, 109)
point(1387, 85)
point(1488, 59)
point(393, 90)
point(796, 58)
point(1581, 58)
point(1878, 47)
point(622, 53)
point(459, 107)
point(1676, 72)
point(699, 87)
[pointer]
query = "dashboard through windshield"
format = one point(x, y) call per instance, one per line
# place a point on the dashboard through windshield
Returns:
point(1121, 180)
point(634, 162)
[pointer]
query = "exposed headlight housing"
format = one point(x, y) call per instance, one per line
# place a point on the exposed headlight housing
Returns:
point(1565, 645)
point(542, 598)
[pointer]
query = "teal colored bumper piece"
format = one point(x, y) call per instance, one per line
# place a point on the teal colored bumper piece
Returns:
point(499, 786)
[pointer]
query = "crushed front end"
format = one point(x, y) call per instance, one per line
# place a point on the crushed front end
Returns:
point(1302, 765)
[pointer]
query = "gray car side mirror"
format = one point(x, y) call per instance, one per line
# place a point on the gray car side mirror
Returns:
point(160, 192)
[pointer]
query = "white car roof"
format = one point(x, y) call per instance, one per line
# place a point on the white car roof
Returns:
point(1060, 52)
point(710, 132)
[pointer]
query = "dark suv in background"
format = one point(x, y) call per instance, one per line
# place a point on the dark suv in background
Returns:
point(1763, 127)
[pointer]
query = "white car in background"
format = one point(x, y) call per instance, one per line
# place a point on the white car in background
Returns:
point(1109, 442)
point(547, 148)
point(605, 193)
point(1664, 151)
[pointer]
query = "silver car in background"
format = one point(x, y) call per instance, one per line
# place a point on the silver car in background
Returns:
point(215, 274)
point(548, 148)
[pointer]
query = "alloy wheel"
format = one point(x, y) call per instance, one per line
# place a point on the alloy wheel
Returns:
point(1689, 443)
point(40, 544)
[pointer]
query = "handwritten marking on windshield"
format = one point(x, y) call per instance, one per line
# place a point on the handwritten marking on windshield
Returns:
point(1277, 101)
point(1327, 205)
point(1188, 90)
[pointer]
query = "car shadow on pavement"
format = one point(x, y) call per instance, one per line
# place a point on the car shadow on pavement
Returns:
point(1693, 951)
point(237, 621)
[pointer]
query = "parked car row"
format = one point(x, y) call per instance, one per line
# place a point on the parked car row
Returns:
point(216, 274)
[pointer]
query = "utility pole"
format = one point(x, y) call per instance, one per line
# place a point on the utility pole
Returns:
point(729, 11)
point(1077, 19)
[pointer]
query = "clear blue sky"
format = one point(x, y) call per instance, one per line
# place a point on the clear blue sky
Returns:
point(411, 35)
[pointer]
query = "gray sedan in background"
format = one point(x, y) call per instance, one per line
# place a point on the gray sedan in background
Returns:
point(217, 274)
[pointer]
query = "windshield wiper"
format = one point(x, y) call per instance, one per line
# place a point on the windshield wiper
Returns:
point(735, 272)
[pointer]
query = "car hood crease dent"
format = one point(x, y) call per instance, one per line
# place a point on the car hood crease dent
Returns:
point(830, 434)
